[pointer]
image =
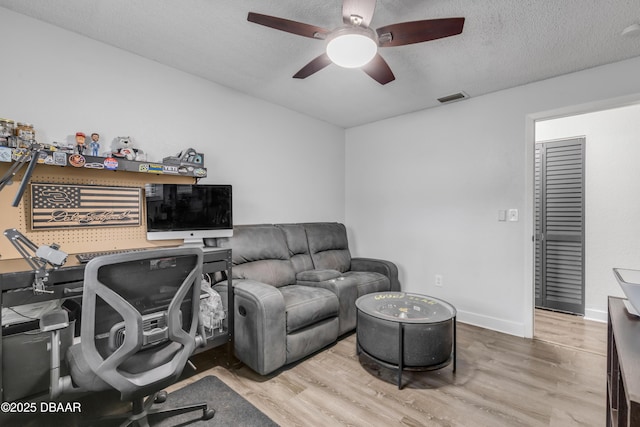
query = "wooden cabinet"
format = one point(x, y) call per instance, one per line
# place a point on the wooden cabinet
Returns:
point(623, 366)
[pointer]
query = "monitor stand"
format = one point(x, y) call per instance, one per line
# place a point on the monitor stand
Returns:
point(193, 242)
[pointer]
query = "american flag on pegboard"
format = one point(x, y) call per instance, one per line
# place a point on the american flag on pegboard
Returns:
point(56, 206)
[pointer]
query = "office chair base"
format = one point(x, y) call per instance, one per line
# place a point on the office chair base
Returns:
point(160, 397)
point(161, 414)
point(142, 412)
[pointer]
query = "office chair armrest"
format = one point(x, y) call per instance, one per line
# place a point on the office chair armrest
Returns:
point(54, 320)
point(201, 337)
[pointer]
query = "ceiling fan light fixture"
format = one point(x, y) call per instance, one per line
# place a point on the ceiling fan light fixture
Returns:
point(352, 47)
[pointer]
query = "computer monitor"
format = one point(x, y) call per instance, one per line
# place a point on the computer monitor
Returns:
point(188, 212)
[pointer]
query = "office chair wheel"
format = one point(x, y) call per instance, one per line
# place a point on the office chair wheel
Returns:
point(207, 414)
point(161, 397)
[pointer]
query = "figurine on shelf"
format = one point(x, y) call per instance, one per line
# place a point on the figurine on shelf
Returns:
point(80, 139)
point(188, 157)
point(7, 129)
point(94, 145)
point(25, 135)
point(123, 148)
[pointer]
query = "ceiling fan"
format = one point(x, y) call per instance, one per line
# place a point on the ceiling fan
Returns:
point(354, 44)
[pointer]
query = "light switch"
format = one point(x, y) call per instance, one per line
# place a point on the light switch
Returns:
point(502, 215)
point(513, 214)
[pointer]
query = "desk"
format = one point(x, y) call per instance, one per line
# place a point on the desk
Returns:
point(16, 280)
point(623, 366)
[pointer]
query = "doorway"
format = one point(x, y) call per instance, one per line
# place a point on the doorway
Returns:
point(612, 131)
point(559, 208)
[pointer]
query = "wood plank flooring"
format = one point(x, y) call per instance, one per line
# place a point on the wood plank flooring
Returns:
point(571, 331)
point(501, 380)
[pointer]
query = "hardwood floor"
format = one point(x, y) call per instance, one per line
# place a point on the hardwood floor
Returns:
point(571, 331)
point(501, 380)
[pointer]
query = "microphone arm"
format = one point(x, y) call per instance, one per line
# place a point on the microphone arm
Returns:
point(34, 149)
point(38, 258)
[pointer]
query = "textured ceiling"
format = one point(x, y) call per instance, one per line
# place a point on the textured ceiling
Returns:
point(505, 43)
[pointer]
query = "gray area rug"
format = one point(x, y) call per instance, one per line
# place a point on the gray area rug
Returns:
point(231, 408)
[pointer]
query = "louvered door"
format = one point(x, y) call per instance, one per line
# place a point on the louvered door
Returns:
point(559, 225)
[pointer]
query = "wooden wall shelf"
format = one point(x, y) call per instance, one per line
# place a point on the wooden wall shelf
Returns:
point(80, 240)
point(64, 159)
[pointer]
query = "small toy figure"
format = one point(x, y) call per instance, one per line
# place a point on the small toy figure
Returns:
point(7, 129)
point(124, 148)
point(80, 138)
point(188, 157)
point(94, 144)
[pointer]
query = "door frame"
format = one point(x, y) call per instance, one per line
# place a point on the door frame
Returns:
point(528, 220)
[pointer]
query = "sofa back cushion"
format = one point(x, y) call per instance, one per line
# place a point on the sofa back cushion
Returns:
point(328, 246)
point(296, 238)
point(260, 253)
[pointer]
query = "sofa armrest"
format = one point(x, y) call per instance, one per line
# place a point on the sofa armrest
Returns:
point(317, 275)
point(387, 268)
point(259, 325)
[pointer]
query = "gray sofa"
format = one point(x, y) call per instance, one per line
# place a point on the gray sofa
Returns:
point(295, 288)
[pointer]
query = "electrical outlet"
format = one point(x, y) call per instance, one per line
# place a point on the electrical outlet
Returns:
point(438, 279)
point(513, 214)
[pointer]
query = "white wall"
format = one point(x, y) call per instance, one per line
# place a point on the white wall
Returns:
point(284, 166)
point(424, 190)
point(612, 195)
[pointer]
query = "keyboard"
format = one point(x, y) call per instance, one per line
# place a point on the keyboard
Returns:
point(88, 256)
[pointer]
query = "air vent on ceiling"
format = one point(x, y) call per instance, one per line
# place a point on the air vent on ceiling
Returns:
point(454, 97)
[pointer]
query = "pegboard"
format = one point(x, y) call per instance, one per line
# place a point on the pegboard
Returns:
point(79, 240)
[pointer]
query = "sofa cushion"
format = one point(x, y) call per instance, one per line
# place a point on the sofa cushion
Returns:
point(317, 275)
point(260, 253)
point(347, 291)
point(296, 238)
point(305, 305)
point(328, 246)
point(305, 341)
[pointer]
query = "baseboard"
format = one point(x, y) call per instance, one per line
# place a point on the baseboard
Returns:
point(595, 315)
point(493, 323)
point(515, 328)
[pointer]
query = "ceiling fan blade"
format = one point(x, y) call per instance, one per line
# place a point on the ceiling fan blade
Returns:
point(312, 67)
point(418, 31)
point(358, 8)
point(288, 26)
point(379, 70)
